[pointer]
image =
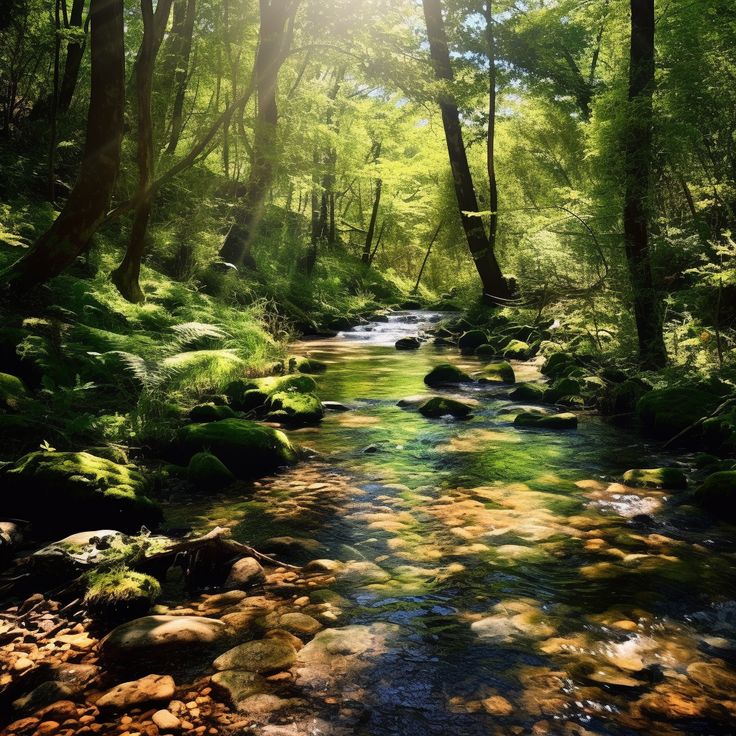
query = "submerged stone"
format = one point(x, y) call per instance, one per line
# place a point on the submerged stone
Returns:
point(237, 685)
point(566, 420)
point(439, 406)
point(656, 478)
point(446, 373)
point(263, 656)
point(532, 392)
point(498, 372)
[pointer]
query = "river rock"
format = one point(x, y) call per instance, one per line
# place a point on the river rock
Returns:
point(563, 391)
point(335, 406)
point(211, 412)
point(517, 350)
point(130, 694)
point(208, 473)
point(500, 371)
point(299, 623)
point(244, 573)
point(531, 392)
point(717, 494)
point(440, 406)
point(294, 408)
point(714, 677)
point(408, 343)
point(237, 685)
point(363, 572)
point(263, 656)
point(120, 593)
point(293, 547)
point(471, 340)
point(45, 694)
point(166, 720)
point(566, 420)
point(672, 478)
point(667, 411)
point(446, 373)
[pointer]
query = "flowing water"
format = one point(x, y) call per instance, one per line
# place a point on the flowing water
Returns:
point(502, 580)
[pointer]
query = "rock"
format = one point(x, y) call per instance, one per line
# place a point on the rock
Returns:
point(120, 594)
point(61, 710)
point(12, 392)
point(408, 343)
point(496, 705)
point(237, 685)
point(558, 364)
point(283, 635)
point(299, 623)
point(498, 372)
point(158, 638)
point(44, 486)
point(262, 656)
point(411, 304)
point(324, 565)
point(295, 408)
point(11, 535)
point(667, 411)
point(211, 413)
point(334, 406)
point(291, 383)
point(371, 449)
point(246, 448)
point(485, 352)
point(546, 421)
point(517, 350)
point(300, 364)
point(207, 473)
point(714, 677)
point(563, 390)
point(672, 478)
point(439, 406)
point(149, 689)
point(363, 572)
point(413, 401)
point(446, 373)
point(45, 694)
point(336, 643)
point(76, 676)
point(470, 340)
point(528, 392)
point(244, 573)
point(622, 398)
point(263, 704)
point(301, 548)
point(166, 720)
point(717, 494)
point(245, 395)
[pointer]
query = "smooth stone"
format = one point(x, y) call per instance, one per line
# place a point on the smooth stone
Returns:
point(672, 478)
point(299, 623)
point(237, 685)
point(439, 406)
point(43, 695)
point(136, 692)
point(335, 406)
point(245, 573)
point(263, 656)
point(566, 420)
point(408, 343)
point(166, 720)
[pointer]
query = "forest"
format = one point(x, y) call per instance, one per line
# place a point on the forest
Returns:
point(368, 368)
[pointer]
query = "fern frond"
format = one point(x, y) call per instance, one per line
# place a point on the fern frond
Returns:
point(188, 333)
point(147, 373)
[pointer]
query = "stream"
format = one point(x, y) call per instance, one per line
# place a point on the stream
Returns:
point(502, 580)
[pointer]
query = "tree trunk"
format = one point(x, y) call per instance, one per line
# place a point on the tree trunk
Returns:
point(426, 258)
point(73, 62)
point(70, 234)
point(638, 149)
point(372, 224)
point(491, 138)
point(274, 39)
point(181, 74)
point(495, 287)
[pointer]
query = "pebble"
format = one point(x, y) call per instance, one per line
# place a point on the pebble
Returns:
point(166, 720)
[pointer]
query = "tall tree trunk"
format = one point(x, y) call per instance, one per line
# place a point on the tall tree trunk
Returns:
point(426, 258)
point(274, 39)
point(638, 148)
point(181, 74)
point(54, 103)
point(491, 138)
point(366, 258)
point(88, 202)
point(495, 287)
point(73, 62)
point(126, 275)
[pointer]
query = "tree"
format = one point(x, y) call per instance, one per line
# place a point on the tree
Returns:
point(88, 202)
point(638, 156)
point(495, 287)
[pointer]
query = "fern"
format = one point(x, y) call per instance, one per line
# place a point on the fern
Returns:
point(188, 333)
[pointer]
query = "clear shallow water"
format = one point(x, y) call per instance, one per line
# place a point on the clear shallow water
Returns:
point(515, 586)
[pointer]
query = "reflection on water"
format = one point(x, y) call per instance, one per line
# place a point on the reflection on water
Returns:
point(501, 581)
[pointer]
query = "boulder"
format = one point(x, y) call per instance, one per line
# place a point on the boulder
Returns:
point(485, 352)
point(245, 394)
point(528, 392)
point(207, 473)
point(546, 421)
point(120, 594)
point(244, 573)
point(264, 656)
point(558, 364)
point(149, 689)
point(300, 364)
point(622, 398)
point(517, 350)
point(671, 478)
point(292, 382)
point(563, 390)
point(295, 408)
point(299, 624)
point(666, 412)
point(211, 412)
point(470, 340)
point(246, 448)
point(440, 406)
point(69, 490)
point(12, 392)
point(717, 494)
point(408, 343)
point(499, 371)
point(446, 373)
point(237, 685)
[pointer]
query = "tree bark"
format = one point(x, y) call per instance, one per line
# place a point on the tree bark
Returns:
point(70, 234)
point(274, 39)
point(491, 137)
point(426, 258)
point(181, 74)
point(495, 287)
point(367, 250)
point(73, 61)
point(638, 155)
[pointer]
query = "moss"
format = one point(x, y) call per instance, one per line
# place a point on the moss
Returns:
point(563, 390)
point(12, 392)
point(533, 392)
point(672, 478)
point(719, 432)
point(717, 494)
point(210, 413)
point(440, 406)
point(622, 398)
point(292, 382)
point(558, 364)
point(485, 352)
point(246, 448)
point(236, 390)
point(74, 489)
point(300, 364)
point(208, 473)
point(446, 373)
point(499, 371)
point(470, 340)
point(295, 408)
point(546, 421)
point(517, 349)
point(666, 412)
point(120, 593)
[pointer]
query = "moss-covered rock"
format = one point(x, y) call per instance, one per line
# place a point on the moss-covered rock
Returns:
point(446, 373)
point(485, 352)
point(247, 449)
point(566, 420)
point(558, 364)
point(236, 393)
point(300, 364)
point(671, 478)
point(717, 494)
point(622, 398)
point(291, 382)
point(470, 340)
point(719, 432)
point(408, 343)
point(211, 412)
point(12, 392)
point(667, 411)
point(440, 406)
point(563, 390)
point(499, 371)
point(208, 473)
point(294, 407)
point(120, 594)
point(533, 392)
point(73, 490)
point(517, 350)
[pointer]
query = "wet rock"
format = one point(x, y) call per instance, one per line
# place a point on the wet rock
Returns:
point(300, 364)
point(496, 705)
point(207, 473)
point(546, 421)
point(485, 352)
point(211, 412)
point(120, 594)
point(672, 478)
point(714, 677)
point(166, 720)
point(335, 406)
point(517, 350)
point(245, 573)
point(532, 392)
point(286, 636)
point(162, 637)
point(76, 676)
point(324, 565)
point(149, 689)
point(299, 623)
point(470, 340)
point(363, 572)
point(666, 412)
point(440, 406)
point(446, 373)
point(563, 390)
point(717, 494)
point(292, 547)
point(44, 695)
point(262, 656)
point(295, 408)
point(499, 371)
point(237, 685)
point(408, 343)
